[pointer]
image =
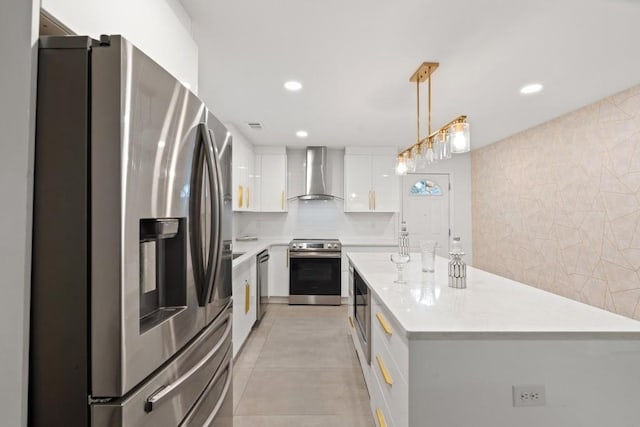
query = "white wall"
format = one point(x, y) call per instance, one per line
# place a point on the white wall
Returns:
point(160, 28)
point(18, 37)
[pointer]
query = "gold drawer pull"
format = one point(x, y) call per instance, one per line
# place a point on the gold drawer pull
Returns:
point(384, 372)
point(385, 325)
point(351, 321)
point(282, 200)
point(248, 197)
point(240, 194)
point(380, 416)
point(247, 298)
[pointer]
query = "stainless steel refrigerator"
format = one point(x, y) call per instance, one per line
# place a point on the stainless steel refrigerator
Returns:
point(131, 275)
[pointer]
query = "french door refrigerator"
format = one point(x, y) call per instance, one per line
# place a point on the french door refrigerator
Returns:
point(131, 270)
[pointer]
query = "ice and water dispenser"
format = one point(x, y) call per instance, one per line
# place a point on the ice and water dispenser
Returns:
point(163, 272)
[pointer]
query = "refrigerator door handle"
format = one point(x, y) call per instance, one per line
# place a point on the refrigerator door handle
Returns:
point(195, 221)
point(216, 196)
point(166, 391)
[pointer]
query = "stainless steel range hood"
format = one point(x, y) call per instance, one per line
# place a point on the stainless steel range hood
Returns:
point(316, 176)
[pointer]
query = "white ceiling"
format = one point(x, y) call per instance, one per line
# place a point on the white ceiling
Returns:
point(354, 58)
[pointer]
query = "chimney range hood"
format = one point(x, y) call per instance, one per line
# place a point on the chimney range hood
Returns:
point(316, 176)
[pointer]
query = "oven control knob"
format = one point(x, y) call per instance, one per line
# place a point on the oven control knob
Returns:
point(329, 245)
point(294, 246)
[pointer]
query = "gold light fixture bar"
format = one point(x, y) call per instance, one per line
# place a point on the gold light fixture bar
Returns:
point(423, 72)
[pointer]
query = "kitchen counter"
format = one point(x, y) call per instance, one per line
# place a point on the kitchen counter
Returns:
point(252, 248)
point(460, 357)
point(490, 304)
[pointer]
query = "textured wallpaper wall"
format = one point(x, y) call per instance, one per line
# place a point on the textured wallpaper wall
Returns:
point(558, 206)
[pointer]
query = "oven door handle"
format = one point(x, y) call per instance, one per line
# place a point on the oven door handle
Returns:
point(314, 254)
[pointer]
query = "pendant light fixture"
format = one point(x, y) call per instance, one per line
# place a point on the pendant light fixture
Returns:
point(439, 145)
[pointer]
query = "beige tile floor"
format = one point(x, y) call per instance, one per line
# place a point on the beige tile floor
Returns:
point(299, 368)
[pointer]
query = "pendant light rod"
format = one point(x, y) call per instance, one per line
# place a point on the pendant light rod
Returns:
point(418, 112)
point(429, 99)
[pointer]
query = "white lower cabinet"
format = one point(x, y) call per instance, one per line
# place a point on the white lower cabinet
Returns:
point(387, 377)
point(244, 302)
point(391, 380)
point(279, 271)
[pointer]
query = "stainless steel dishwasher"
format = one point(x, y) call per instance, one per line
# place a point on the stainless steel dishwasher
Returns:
point(262, 285)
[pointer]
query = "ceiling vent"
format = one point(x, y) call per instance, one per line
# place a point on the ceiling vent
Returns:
point(255, 125)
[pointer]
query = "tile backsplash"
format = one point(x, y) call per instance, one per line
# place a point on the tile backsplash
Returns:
point(317, 218)
point(558, 206)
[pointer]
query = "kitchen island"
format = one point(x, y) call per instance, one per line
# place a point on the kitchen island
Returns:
point(499, 353)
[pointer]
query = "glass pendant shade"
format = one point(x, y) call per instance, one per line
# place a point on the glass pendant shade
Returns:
point(411, 163)
point(423, 158)
point(460, 138)
point(401, 166)
point(446, 145)
point(413, 159)
point(430, 156)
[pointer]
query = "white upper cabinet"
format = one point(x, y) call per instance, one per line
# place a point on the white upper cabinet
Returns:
point(385, 184)
point(243, 173)
point(370, 182)
point(271, 179)
point(357, 183)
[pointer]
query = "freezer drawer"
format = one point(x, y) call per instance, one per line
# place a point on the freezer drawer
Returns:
point(215, 407)
point(168, 396)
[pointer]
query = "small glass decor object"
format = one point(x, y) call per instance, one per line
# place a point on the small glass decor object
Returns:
point(400, 260)
point(457, 267)
point(403, 239)
point(428, 251)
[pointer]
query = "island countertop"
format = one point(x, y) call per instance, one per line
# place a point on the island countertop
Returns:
point(426, 307)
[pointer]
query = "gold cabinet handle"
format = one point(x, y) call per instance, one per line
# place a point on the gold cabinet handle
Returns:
point(282, 200)
point(351, 321)
point(383, 370)
point(370, 200)
point(374, 200)
point(247, 297)
point(385, 325)
point(240, 193)
point(248, 197)
point(380, 416)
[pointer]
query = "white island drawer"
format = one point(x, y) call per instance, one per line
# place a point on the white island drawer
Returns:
point(386, 371)
point(391, 335)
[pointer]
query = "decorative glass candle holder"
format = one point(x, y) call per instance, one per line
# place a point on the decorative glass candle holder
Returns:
point(400, 260)
point(457, 271)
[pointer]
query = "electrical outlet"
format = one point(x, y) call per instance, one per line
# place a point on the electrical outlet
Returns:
point(529, 395)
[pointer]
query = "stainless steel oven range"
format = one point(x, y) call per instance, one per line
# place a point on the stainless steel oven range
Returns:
point(314, 271)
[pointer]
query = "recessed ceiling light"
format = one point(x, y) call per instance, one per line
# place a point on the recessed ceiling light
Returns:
point(302, 134)
point(293, 85)
point(531, 88)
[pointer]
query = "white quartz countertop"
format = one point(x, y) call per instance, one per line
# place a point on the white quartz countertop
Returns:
point(426, 307)
point(252, 248)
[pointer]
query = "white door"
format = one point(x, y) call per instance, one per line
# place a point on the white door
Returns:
point(425, 208)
